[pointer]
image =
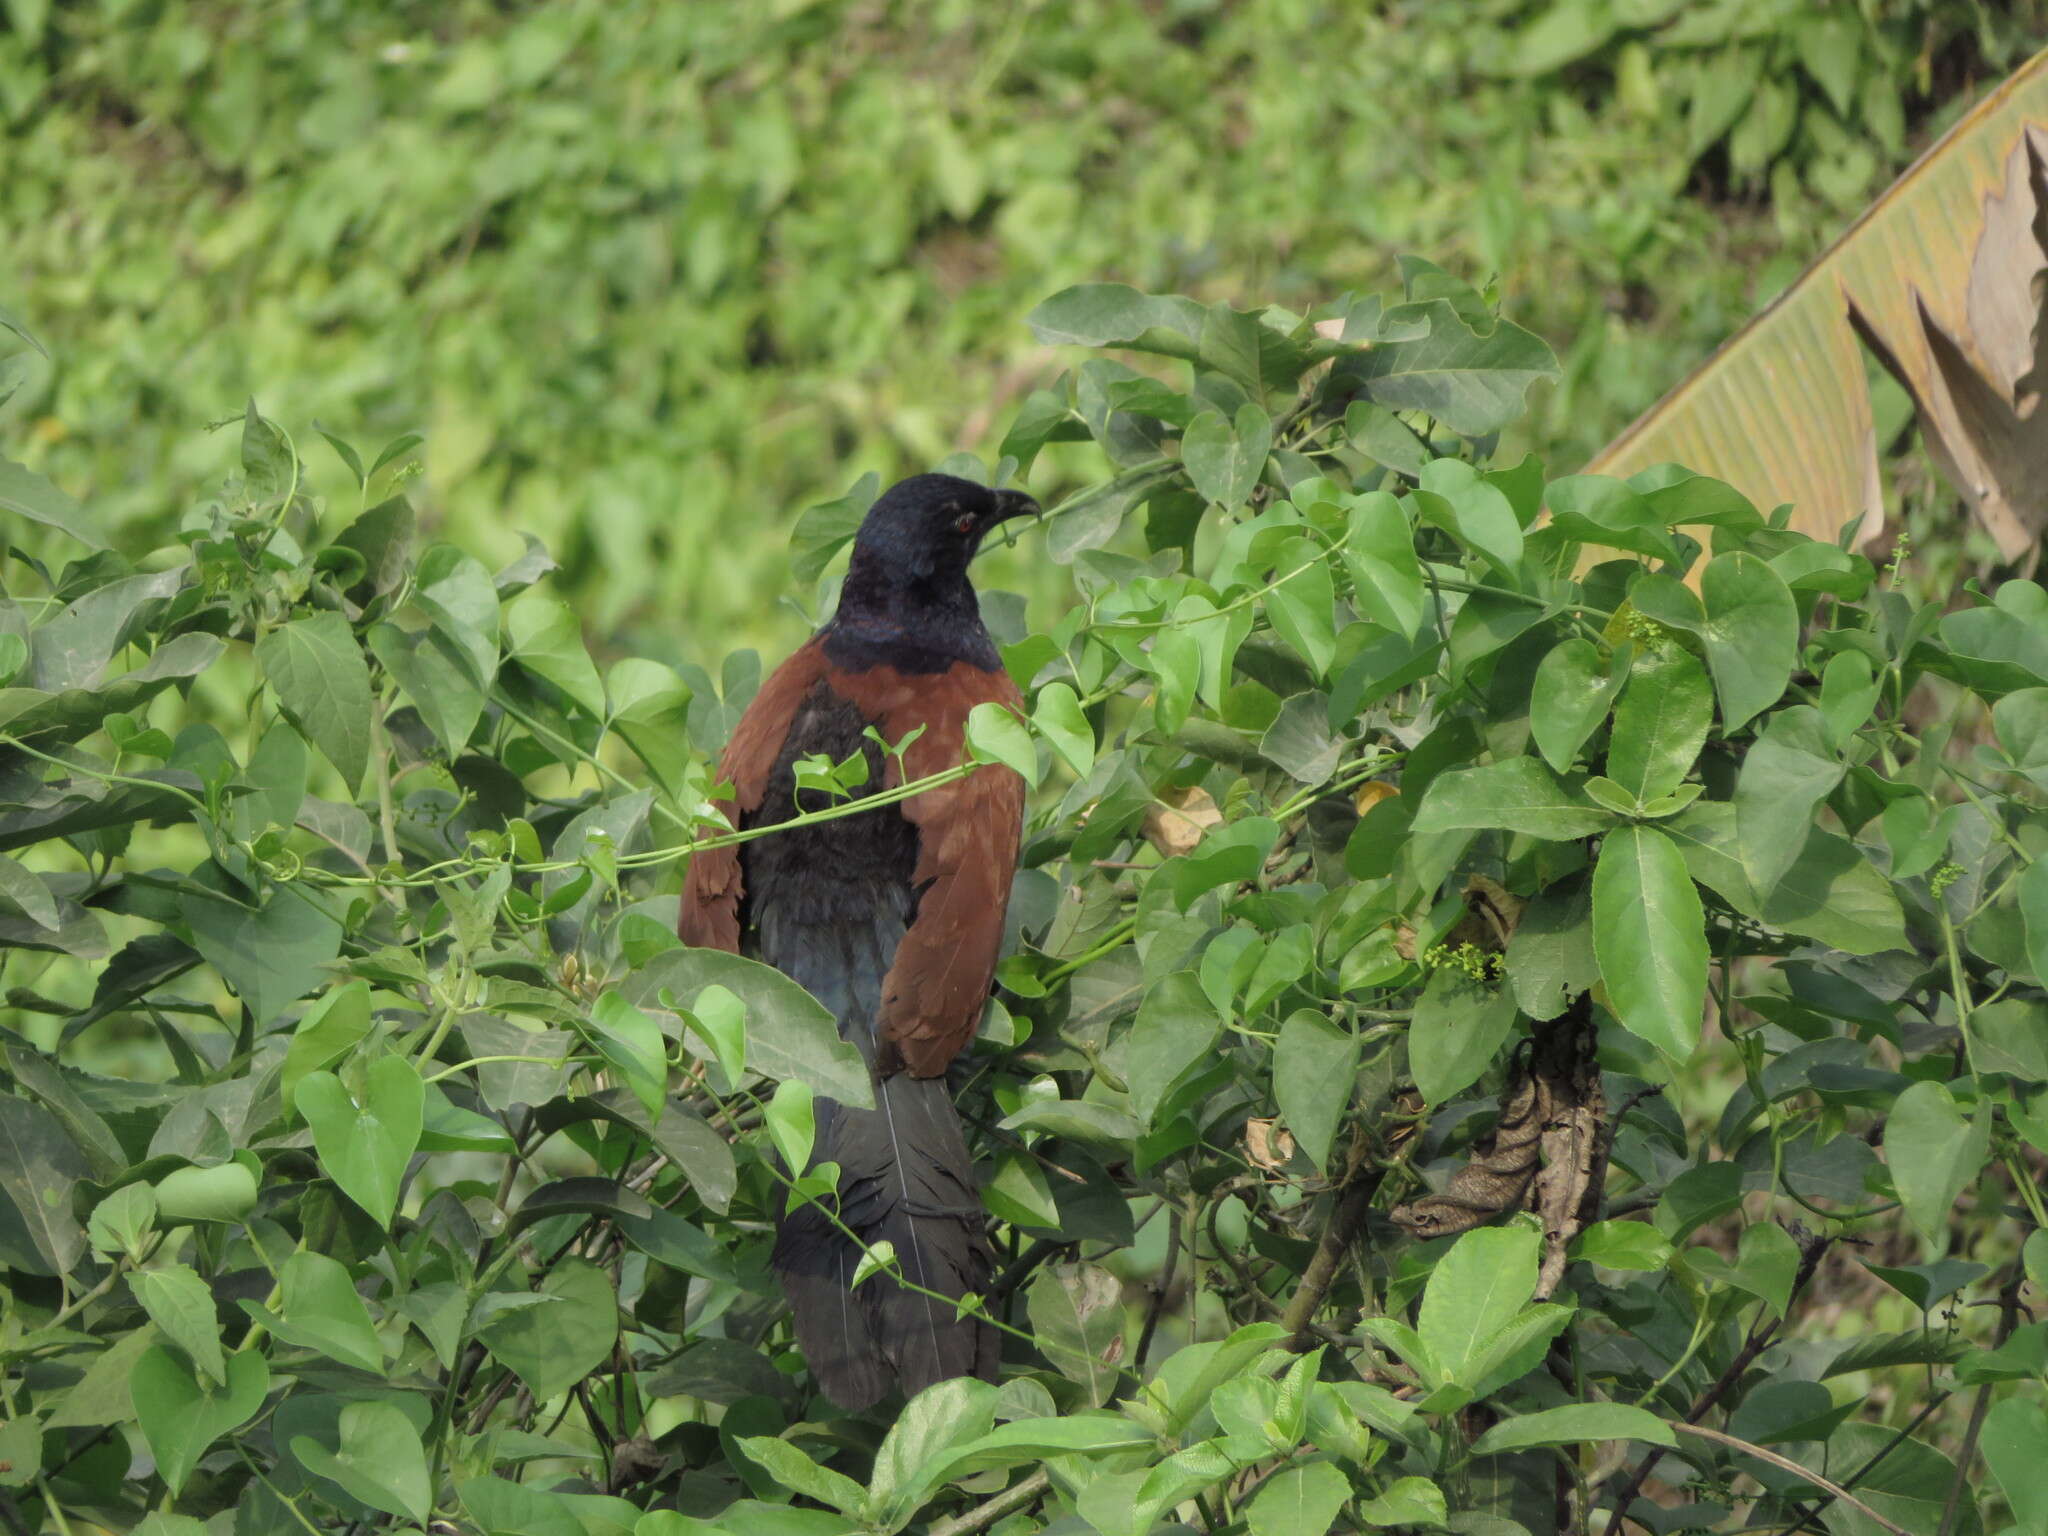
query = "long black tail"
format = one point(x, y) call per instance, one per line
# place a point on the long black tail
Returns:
point(905, 1177)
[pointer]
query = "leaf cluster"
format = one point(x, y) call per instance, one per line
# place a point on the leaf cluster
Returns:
point(374, 1152)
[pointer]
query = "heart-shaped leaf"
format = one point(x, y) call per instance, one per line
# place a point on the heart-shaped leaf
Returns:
point(554, 1346)
point(365, 1147)
point(381, 1461)
point(180, 1418)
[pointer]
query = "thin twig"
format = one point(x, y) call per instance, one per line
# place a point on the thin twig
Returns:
point(1803, 1516)
point(1161, 1289)
point(1787, 1464)
point(984, 1515)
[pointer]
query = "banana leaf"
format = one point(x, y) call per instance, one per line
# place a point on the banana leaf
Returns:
point(1945, 280)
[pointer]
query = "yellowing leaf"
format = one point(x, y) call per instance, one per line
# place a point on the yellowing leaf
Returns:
point(1942, 279)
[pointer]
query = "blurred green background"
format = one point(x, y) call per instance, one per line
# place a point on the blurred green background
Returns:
point(653, 276)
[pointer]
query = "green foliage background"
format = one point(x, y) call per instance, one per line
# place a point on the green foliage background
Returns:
point(650, 273)
point(372, 1153)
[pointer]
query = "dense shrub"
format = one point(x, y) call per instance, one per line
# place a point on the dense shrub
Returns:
point(1356, 1148)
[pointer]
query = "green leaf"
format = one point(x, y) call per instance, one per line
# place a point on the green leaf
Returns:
point(632, 1045)
point(1027, 1442)
point(1751, 634)
point(1906, 1481)
point(1790, 769)
point(1302, 607)
point(224, 1192)
point(1634, 1245)
point(553, 1346)
point(789, 1032)
point(1594, 509)
point(823, 530)
point(1407, 1501)
point(28, 494)
point(30, 712)
point(272, 955)
point(1379, 549)
point(39, 1166)
point(1698, 1195)
point(1458, 1028)
point(1766, 1264)
point(435, 675)
point(316, 669)
point(943, 1418)
point(996, 735)
point(1574, 1424)
point(323, 1311)
point(1298, 1501)
point(1574, 688)
point(792, 1124)
point(104, 1394)
point(1659, 725)
point(650, 706)
point(1176, 659)
point(325, 1033)
point(1315, 1065)
point(720, 1020)
point(1176, 1028)
point(1832, 893)
point(2033, 894)
point(2011, 1036)
point(1514, 1349)
point(457, 594)
point(794, 1470)
point(2014, 1432)
point(180, 1417)
point(1518, 794)
point(1934, 1154)
point(1225, 457)
point(21, 1454)
point(381, 1460)
point(1849, 691)
point(1836, 895)
point(546, 638)
point(1076, 1314)
point(364, 1146)
point(1476, 1289)
point(180, 1304)
point(1385, 438)
point(1057, 714)
point(1114, 314)
point(122, 1222)
point(1454, 498)
point(1550, 956)
point(1229, 855)
point(64, 1094)
point(1472, 383)
point(27, 893)
point(1649, 933)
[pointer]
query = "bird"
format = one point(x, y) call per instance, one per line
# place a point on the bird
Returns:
point(892, 918)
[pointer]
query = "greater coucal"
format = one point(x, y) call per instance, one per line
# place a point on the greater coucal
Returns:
point(891, 918)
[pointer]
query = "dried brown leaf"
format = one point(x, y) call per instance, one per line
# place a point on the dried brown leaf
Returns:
point(1176, 821)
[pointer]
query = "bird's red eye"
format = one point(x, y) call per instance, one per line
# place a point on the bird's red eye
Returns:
point(964, 522)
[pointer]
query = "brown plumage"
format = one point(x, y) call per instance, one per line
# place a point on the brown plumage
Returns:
point(892, 918)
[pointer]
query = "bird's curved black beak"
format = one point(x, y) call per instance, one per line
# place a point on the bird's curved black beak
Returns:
point(1010, 504)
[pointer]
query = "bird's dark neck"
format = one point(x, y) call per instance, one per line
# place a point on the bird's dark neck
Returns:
point(914, 625)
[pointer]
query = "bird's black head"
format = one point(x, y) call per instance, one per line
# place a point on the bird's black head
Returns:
point(906, 592)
